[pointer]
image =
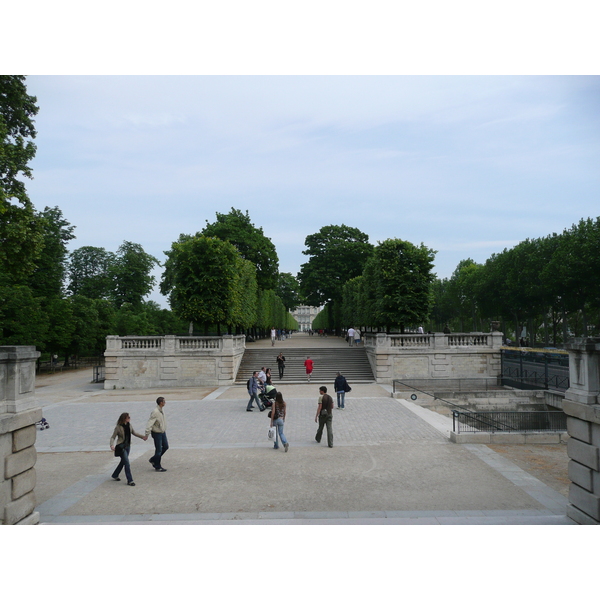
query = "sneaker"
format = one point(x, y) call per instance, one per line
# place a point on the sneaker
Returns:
point(286, 445)
point(248, 410)
point(160, 469)
point(116, 478)
point(130, 483)
point(151, 461)
point(275, 447)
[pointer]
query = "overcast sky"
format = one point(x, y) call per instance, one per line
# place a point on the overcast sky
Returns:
point(467, 165)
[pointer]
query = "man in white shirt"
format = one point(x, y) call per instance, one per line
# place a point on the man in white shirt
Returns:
point(351, 336)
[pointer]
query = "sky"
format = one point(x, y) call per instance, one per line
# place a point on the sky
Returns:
point(467, 165)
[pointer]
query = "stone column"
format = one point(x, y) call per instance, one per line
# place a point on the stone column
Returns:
point(18, 414)
point(582, 407)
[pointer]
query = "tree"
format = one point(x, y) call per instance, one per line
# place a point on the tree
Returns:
point(89, 272)
point(129, 272)
point(288, 289)
point(337, 254)
point(201, 279)
point(22, 320)
point(250, 241)
point(398, 277)
point(48, 275)
point(20, 228)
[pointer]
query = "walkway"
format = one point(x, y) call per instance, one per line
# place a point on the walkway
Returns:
point(392, 463)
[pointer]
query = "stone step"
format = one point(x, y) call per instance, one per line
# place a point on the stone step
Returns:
point(352, 363)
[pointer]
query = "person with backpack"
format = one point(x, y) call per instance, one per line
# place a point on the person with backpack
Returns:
point(340, 385)
point(252, 387)
point(324, 416)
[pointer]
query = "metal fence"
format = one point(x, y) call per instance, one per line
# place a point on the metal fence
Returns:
point(531, 370)
point(99, 375)
point(457, 384)
point(522, 421)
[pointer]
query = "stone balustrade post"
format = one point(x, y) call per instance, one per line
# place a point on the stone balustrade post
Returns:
point(582, 407)
point(18, 414)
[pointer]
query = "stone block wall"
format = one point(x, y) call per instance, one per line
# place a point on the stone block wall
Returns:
point(18, 415)
point(582, 406)
point(133, 362)
point(434, 356)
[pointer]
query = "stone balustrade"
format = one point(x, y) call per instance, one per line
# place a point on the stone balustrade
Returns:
point(18, 414)
point(433, 355)
point(136, 362)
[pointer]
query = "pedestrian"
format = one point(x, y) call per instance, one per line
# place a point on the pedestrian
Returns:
point(340, 386)
point(157, 426)
point(447, 329)
point(308, 365)
point(268, 378)
point(420, 329)
point(253, 392)
point(357, 336)
point(324, 416)
point(351, 333)
point(277, 420)
point(281, 364)
point(262, 377)
point(273, 335)
point(122, 433)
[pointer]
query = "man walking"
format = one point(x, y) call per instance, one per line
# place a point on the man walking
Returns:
point(281, 364)
point(157, 426)
point(324, 416)
point(351, 336)
point(253, 391)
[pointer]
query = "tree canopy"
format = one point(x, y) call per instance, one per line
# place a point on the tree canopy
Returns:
point(250, 241)
point(20, 228)
point(337, 254)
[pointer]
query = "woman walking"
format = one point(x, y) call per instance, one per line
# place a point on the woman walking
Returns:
point(277, 420)
point(122, 433)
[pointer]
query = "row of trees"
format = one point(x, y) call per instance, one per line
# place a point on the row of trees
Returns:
point(226, 276)
point(384, 287)
point(549, 285)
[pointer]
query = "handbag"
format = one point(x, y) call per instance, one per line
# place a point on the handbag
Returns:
point(271, 435)
point(119, 449)
point(347, 388)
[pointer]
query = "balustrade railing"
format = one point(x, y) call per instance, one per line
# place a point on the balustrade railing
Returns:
point(435, 341)
point(146, 343)
point(198, 343)
point(174, 343)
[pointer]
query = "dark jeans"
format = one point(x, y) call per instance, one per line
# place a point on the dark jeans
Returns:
point(325, 421)
point(281, 367)
point(124, 463)
point(161, 445)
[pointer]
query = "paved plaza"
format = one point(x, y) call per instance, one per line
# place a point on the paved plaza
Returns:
point(392, 462)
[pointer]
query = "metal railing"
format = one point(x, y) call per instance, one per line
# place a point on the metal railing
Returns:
point(99, 375)
point(495, 421)
point(526, 379)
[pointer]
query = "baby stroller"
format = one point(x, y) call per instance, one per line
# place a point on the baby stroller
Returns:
point(267, 396)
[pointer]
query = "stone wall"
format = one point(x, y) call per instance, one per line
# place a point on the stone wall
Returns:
point(436, 355)
point(18, 414)
point(582, 406)
point(133, 362)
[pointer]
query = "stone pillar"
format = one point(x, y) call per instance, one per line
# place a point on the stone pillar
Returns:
point(18, 414)
point(582, 407)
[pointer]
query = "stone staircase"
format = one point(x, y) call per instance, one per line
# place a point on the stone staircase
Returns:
point(352, 363)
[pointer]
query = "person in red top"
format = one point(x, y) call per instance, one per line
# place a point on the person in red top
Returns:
point(308, 364)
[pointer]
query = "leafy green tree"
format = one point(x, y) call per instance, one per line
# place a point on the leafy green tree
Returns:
point(61, 326)
point(400, 275)
point(200, 278)
point(337, 254)
point(47, 279)
point(250, 241)
point(22, 320)
point(461, 293)
point(130, 273)
point(20, 227)
point(288, 289)
point(89, 272)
